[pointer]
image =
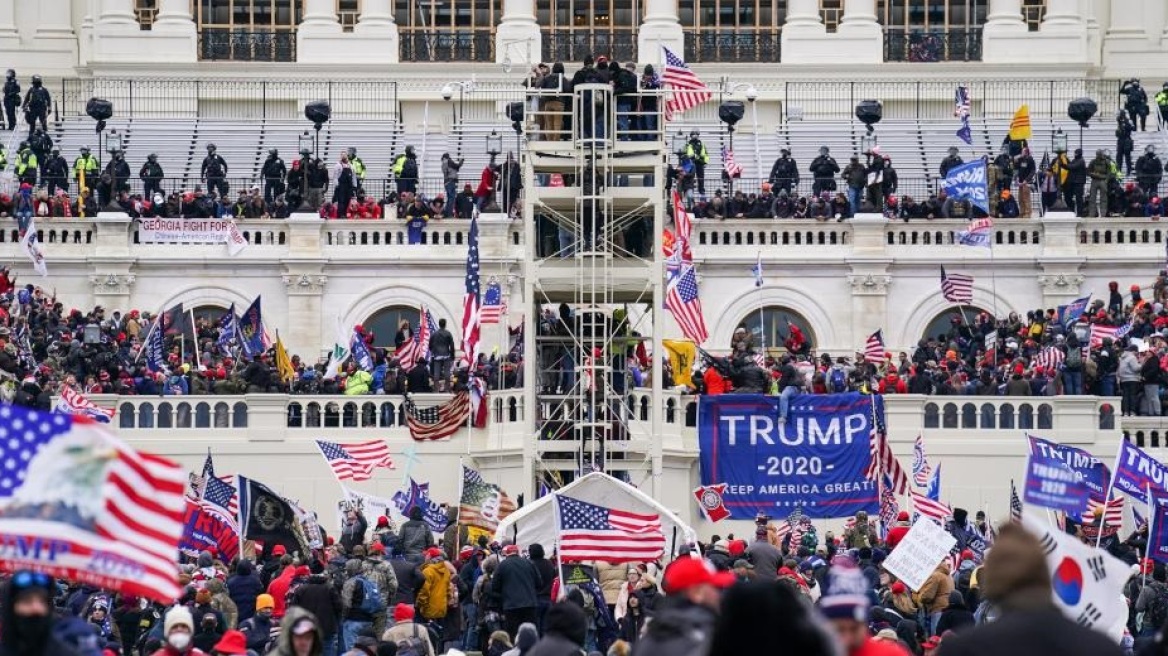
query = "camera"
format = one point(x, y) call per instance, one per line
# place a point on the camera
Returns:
point(762, 519)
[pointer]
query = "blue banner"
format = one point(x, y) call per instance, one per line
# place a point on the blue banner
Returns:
point(1073, 310)
point(815, 461)
point(155, 358)
point(1094, 474)
point(1050, 483)
point(1136, 471)
point(1158, 539)
point(417, 495)
point(251, 330)
point(969, 182)
point(360, 352)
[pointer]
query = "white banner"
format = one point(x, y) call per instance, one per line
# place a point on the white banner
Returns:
point(192, 231)
point(923, 548)
point(370, 506)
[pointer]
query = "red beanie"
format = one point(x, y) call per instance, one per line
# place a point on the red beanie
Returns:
point(403, 613)
point(899, 588)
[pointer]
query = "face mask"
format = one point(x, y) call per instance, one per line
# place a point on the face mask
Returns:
point(179, 641)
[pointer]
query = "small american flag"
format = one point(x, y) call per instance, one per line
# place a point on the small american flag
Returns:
point(956, 287)
point(683, 301)
point(961, 102)
point(881, 460)
point(494, 305)
point(417, 347)
point(684, 225)
point(889, 509)
point(1015, 504)
point(471, 323)
point(926, 507)
point(729, 164)
point(1113, 515)
point(1101, 332)
point(686, 91)
point(438, 421)
point(1050, 357)
point(355, 461)
point(920, 464)
point(874, 347)
point(75, 495)
point(219, 494)
point(591, 532)
point(799, 527)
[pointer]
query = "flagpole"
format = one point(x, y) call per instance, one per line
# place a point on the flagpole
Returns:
point(458, 515)
point(1107, 497)
point(1151, 524)
point(195, 334)
point(559, 550)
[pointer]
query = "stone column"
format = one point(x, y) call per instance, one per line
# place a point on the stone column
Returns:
point(172, 39)
point(1004, 36)
point(319, 38)
point(660, 27)
point(54, 20)
point(174, 16)
point(803, 15)
point(8, 21)
point(518, 40)
point(1126, 20)
point(869, 279)
point(858, 40)
point(1062, 13)
point(1094, 42)
point(376, 32)
point(1062, 37)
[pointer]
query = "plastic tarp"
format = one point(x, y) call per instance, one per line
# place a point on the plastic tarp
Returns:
point(536, 521)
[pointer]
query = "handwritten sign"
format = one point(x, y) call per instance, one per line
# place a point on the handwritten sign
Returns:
point(924, 546)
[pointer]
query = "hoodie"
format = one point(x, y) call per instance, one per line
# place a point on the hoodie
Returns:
point(525, 639)
point(284, 641)
point(243, 587)
point(34, 637)
point(565, 626)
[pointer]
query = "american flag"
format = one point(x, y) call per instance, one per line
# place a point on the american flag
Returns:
point(920, 464)
point(682, 300)
point(798, 528)
point(591, 532)
point(686, 91)
point(962, 102)
point(1113, 515)
point(1015, 504)
point(355, 461)
point(494, 305)
point(417, 347)
point(881, 460)
point(874, 347)
point(956, 287)
point(1138, 518)
point(470, 305)
point(437, 421)
point(683, 222)
point(66, 480)
point(889, 509)
point(1049, 358)
point(729, 165)
point(218, 494)
point(228, 328)
point(926, 507)
point(75, 403)
point(1100, 332)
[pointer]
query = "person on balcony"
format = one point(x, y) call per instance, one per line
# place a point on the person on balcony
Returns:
point(151, 175)
point(823, 169)
point(273, 172)
point(11, 95)
point(1007, 206)
point(952, 161)
point(450, 168)
point(784, 174)
point(1149, 171)
point(1075, 179)
point(1024, 173)
point(1100, 172)
point(214, 171)
point(625, 89)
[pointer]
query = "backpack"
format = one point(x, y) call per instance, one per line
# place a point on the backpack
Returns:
point(412, 646)
point(1074, 361)
point(838, 380)
point(370, 596)
point(1157, 611)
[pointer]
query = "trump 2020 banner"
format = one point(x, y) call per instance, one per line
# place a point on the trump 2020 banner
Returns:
point(204, 531)
point(1136, 471)
point(1050, 483)
point(1091, 470)
point(815, 461)
point(969, 182)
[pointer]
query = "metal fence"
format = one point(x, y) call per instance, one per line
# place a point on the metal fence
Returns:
point(737, 45)
point(933, 99)
point(923, 46)
point(234, 98)
point(467, 45)
point(574, 46)
point(230, 45)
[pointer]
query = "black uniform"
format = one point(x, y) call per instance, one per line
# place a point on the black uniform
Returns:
point(950, 162)
point(274, 172)
point(42, 146)
point(11, 99)
point(151, 175)
point(214, 171)
point(784, 174)
point(823, 170)
point(1135, 102)
point(115, 179)
point(36, 105)
point(55, 173)
point(1123, 141)
point(1149, 170)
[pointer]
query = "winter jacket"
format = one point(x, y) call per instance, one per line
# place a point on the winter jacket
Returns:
point(1028, 632)
point(243, 587)
point(402, 631)
point(320, 598)
point(279, 590)
point(433, 597)
point(956, 616)
point(381, 573)
point(516, 582)
point(934, 594)
point(679, 629)
point(414, 537)
point(284, 641)
point(765, 558)
point(1129, 368)
point(354, 534)
point(450, 169)
point(611, 577)
point(222, 602)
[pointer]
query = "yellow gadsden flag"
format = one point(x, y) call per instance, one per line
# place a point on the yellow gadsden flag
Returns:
point(682, 353)
point(1020, 124)
point(283, 362)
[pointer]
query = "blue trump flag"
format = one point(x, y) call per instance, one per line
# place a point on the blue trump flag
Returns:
point(969, 182)
point(251, 330)
point(1073, 310)
point(417, 495)
point(1136, 471)
point(816, 461)
point(1050, 483)
point(1091, 470)
point(154, 348)
point(360, 352)
point(1158, 537)
point(228, 327)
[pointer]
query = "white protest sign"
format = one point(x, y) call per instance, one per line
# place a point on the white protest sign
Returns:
point(370, 506)
point(192, 231)
point(924, 546)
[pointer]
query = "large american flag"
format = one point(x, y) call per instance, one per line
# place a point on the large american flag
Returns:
point(494, 305)
point(874, 347)
point(684, 225)
point(1049, 358)
point(686, 91)
point(355, 461)
point(471, 323)
point(1113, 514)
point(1100, 332)
point(934, 510)
point(956, 287)
point(591, 532)
point(219, 494)
point(114, 514)
point(920, 464)
point(417, 347)
point(681, 299)
point(729, 164)
point(881, 460)
point(437, 421)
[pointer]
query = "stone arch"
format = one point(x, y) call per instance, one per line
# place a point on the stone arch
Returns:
point(940, 322)
point(398, 294)
point(732, 314)
point(919, 316)
point(773, 319)
point(212, 295)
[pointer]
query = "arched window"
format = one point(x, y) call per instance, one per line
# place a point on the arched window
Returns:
point(942, 326)
point(769, 325)
point(384, 323)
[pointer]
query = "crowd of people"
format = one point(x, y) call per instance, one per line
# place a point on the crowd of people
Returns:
point(386, 590)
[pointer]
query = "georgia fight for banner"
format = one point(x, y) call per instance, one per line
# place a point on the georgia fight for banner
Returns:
point(815, 461)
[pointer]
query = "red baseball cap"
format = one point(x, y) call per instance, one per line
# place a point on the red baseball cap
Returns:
point(931, 643)
point(279, 550)
point(686, 572)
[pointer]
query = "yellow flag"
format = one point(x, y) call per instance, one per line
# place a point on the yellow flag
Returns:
point(1020, 125)
point(682, 353)
point(283, 362)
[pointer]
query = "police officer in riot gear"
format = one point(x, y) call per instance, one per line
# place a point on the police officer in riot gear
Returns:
point(151, 175)
point(274, 173)
point(784, 173)
point(1149, 171)
point(36, 105)
point(11, 98)
point(1135, 102)
point(55, 173)
point(214, 172)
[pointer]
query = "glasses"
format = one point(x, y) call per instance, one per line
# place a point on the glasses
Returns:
point(26, 579)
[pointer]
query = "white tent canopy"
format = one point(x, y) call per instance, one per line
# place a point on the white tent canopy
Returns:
point(536, 522)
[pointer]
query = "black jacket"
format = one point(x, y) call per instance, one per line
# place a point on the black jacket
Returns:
point(1025, 633)
point(441, 343)
point(678, 629)
point(243, 587)
point(320, 598)
point(784, 170)
point(516, 582)
point(547, 575)
point(414, 537)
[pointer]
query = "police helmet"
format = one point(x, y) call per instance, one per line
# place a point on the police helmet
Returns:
point(210, 147)
point(56, 151)
point(12, 74)
point(23, 145)
point(152, 156)
point(273, 152)
point(85, 149)
point(36, 80)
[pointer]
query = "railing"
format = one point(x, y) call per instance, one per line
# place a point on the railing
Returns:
point(933, 99)
point(733, 45)
point(443, 46)
point(573, 45)
point(943, 232)
point(918, 46)
point(772, 232)
point(230, 45)
point(234, 98)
